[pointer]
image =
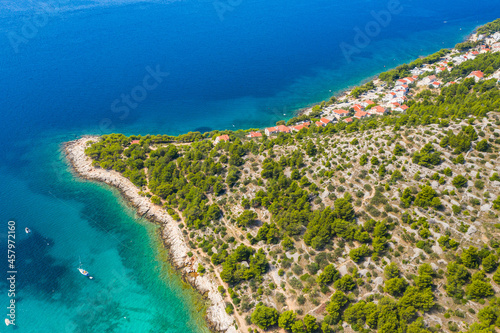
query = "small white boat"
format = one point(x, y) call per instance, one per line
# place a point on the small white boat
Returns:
point(85, 273)
point(7, 321)
point(28, 230)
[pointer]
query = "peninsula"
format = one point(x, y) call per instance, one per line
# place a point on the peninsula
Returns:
point(374, 211)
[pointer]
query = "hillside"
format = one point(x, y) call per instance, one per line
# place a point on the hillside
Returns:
point(376, 217)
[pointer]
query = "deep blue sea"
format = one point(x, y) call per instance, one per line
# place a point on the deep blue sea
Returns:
point(73, 67)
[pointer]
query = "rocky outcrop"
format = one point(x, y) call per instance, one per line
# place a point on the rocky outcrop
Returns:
point(216, 315)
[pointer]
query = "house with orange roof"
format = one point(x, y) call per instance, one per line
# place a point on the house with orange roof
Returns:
point(361, 114)
point(427, 80)
point(477, 75)
point(340, 113)
point(391, 95)
point(401, 108)
point(358, 107)
point(440, 69)
point(283, 129)
point(366, 103)
point(271, 130)
point(320, 124)
point(325, 121)
point(378, 110)
point(254, 135)
point(133, 142)
point(436, 84)
point(221, 138)
point(348, 120)
point(301, 126)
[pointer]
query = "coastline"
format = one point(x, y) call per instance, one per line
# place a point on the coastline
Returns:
point(216, 316)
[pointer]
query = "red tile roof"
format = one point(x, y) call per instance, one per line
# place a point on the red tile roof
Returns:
point(301, 126)
point(379, 109)
point(348, 120)
point(325, 121)
point(223, 137)
point(254, 134)
point(340, 111)
point(358, 107)
point(360, 114)
point(283, 128)
point(404, 107)
point(134, 142)
point(369, 102)
point(478, 74)
point(320, 124)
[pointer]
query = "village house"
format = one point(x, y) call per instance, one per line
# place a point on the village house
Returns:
point(348, 120)
point(440, 69)
point(417, 71)
point(340, 113)
point(271, 130)
point(378, 110)
point(400, 82)
point(427, 80)
point(436, 84)
point(325, 121)
point(477, 75)
point(254, 135)
point(361, 114)
point(400, 99)
point(401, 108)
point(358, 107)
point(280, 128)
point(301, 126)
point(389, 97)
point(133, 142)
point(221, 138)
point(366, 103)
point(283, 129)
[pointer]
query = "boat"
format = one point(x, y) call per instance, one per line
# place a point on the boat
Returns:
point(85, 273)
point(28, 230)
point(7, 321)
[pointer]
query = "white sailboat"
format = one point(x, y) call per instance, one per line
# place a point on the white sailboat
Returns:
point(84, 272)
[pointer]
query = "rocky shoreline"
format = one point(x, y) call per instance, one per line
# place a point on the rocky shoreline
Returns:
point(216, 316)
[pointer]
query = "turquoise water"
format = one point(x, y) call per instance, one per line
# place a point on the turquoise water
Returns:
point(133, 290)
point(248, 64)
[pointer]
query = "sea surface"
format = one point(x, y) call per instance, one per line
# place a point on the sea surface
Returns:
point(74, 67)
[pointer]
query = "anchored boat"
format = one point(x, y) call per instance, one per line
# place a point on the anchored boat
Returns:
point(85, 273)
